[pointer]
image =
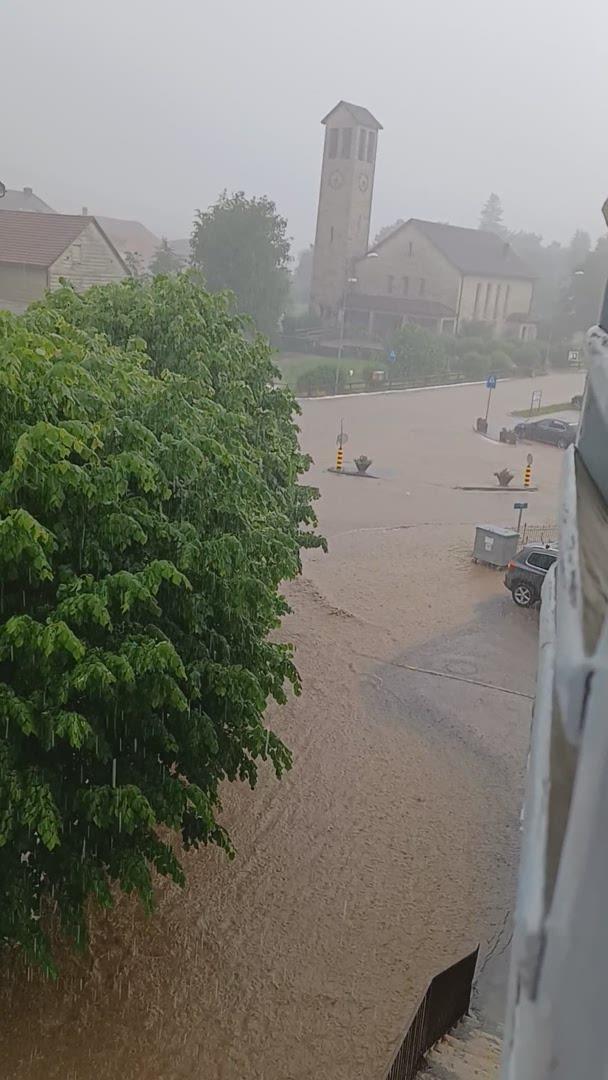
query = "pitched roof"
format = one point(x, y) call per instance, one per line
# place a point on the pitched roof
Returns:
point(361, 116)
point(130, 236)
point(39, 239)
point(24, 200)
point(475, 251)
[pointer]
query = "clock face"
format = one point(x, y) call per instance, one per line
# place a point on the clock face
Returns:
point(336, 179)
point(363, 182)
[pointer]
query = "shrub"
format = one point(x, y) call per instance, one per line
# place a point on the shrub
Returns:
point(149, 509)
point(528, 357)
point(419, 353)
point(475, 365)
point(322, 379)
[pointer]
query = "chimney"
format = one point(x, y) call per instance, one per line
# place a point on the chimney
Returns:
point(85, 211)
point(28, 191)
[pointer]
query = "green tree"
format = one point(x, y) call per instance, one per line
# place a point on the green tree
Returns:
point(419, 353)
point(490, 217)
point(135, 264)
point(386, 230)
point(302, 276)
point(150, 507)
point(165, 261)
point(241, 244)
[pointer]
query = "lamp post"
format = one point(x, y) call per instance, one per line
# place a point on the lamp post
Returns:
point(341, 315)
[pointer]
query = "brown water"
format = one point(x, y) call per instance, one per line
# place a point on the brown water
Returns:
point(389, 849)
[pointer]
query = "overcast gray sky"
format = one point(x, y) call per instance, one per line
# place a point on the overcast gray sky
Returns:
point(143, 109)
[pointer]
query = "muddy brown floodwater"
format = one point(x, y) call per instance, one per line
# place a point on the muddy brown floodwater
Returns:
point(391, 847)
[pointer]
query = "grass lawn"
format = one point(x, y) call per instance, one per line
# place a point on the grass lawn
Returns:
point(293, 365)
point(560, 406)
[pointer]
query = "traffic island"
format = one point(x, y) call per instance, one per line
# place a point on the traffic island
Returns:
point(344, 471)
point(487, 487)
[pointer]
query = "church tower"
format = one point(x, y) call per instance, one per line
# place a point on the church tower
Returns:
point(345, 202)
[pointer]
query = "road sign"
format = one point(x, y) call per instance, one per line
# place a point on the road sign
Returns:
point(520, 506)
point(537, 397)
point(529, 459)
point(491, 382)
point(573, 356)
point(392, 356)
point(341, 438)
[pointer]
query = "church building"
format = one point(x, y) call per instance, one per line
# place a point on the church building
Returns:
point(425, 272)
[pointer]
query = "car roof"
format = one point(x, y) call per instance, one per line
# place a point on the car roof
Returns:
point(552, 548)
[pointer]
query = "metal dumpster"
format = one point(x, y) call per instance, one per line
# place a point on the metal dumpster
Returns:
point(494, 545)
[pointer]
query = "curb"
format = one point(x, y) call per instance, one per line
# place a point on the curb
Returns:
point(404, 390)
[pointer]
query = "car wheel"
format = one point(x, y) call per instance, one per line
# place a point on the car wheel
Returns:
point(562, 444)
point(523, 594)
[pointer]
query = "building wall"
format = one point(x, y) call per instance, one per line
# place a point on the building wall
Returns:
point(343, 217)
point(491, 299)
point(409, 258)
point(20, 284)
point(89, 260)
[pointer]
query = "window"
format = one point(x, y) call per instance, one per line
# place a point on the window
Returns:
point(362, 142)
point(371, 145)
point(486, 306)
point(541, 559)
point(332, 142)
point(506, 303)
point(406, 285)
point(390, 283)
point(410, 249)
point(497, 300)
point(331, 235)
point(477, 300)
point(523, 333)
point(76, 253)
point(347, 142)
point(422, 286)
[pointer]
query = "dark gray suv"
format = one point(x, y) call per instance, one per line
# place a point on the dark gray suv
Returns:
point(526, 573)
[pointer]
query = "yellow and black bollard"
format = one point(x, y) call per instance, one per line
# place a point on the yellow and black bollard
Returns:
point(527, 476)
point(339, 459)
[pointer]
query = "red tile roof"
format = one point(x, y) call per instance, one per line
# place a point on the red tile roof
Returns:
point(37, 239)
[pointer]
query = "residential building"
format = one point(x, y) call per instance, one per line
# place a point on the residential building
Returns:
point(25, 199)
point(130, 237)
point(434, 275)
point(37, 250)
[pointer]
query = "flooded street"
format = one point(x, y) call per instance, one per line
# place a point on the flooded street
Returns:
point(391, 848)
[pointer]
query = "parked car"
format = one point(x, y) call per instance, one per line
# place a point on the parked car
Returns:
point(558, 432)
point(526, 572)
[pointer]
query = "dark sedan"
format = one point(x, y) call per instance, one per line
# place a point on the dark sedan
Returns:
point(557, 432)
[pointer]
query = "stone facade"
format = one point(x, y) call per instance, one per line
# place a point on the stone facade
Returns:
point(434, 275)
point(345, 201)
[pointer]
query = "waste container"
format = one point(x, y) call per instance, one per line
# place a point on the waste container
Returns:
point(494, 545)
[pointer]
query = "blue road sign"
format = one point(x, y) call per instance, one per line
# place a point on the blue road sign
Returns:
point(491, 382)
point(392, 356)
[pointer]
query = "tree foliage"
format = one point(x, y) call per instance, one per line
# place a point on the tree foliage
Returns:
point(164, 260)
point(490, 217)
point(386, 230)
point(419, 353)
point(241, 244)
point(149, 509)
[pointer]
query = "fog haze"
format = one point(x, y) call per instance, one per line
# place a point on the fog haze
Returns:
point(147, 110)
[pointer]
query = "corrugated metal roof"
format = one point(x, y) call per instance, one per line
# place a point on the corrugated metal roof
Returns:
point(473, 251)
point(360, 115)
point(37, 239)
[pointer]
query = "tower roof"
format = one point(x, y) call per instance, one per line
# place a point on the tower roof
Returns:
point(360, 115)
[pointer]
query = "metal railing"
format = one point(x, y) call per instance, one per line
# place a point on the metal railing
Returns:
point(445, 1002)
point(539, 534)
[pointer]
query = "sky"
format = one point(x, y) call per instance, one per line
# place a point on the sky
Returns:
point(147, 110)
